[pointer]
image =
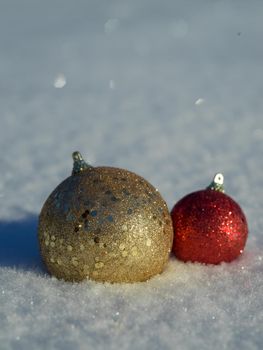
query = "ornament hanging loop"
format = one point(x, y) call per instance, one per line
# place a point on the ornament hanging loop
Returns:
point(79, 163)
point(218, 183)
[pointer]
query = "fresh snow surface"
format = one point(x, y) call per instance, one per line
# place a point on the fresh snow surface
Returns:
point(171, 90)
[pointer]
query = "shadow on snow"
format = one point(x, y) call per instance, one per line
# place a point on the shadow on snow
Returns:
point(19, 244)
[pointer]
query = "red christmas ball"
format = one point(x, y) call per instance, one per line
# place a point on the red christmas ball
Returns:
point(209, 226)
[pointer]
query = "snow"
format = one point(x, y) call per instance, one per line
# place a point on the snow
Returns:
point(134, 73)
point(60, 81)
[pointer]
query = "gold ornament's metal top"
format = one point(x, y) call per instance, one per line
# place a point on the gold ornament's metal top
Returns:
point(79, 163)
point(106, 224)
point(218, 183)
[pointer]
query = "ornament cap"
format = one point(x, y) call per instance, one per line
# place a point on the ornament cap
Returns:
point(218, 183)
point(79, 163)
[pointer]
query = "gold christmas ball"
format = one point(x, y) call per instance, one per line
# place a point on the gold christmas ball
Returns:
point(106, 224)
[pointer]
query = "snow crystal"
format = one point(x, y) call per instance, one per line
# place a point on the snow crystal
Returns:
point(112, 84)
point(199, 101)
point(111, 25)
point(60, 81)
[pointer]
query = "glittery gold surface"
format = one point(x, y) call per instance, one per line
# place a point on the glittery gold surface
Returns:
point(106, 224)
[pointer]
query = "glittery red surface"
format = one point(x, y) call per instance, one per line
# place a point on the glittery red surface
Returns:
point(209, 227)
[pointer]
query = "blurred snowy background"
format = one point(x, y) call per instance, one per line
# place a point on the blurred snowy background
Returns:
point(172, 90)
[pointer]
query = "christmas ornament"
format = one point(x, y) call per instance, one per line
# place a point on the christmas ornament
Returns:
point(209, 226)
point(106, 224)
